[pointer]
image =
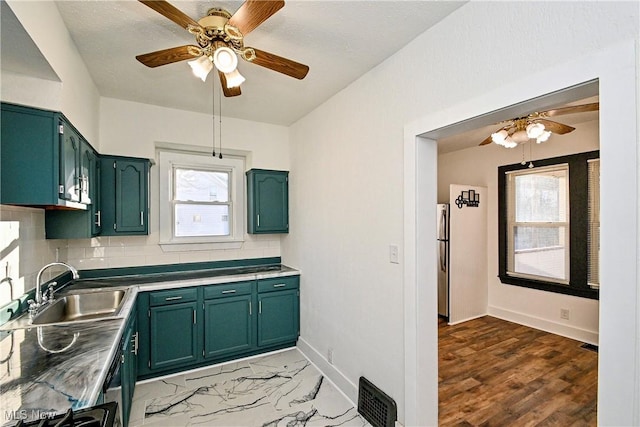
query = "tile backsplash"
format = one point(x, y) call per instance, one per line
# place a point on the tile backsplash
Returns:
point(24, 250)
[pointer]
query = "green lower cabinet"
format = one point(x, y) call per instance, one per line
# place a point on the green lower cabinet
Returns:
point(228, 326)
point(129, 368)
point(278, 317)
point(173, 335)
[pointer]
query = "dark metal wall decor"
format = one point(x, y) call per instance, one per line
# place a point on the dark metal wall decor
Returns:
point(469, 198)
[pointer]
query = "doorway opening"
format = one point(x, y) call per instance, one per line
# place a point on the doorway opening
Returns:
point(498, 339)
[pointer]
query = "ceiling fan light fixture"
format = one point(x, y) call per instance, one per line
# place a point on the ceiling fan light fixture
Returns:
point(201, 67)
point(543, 137)
point(499, 137)
point(520, 136)
point(534, 130)
point(225, 59)
point(509, 143)
point(234, 78)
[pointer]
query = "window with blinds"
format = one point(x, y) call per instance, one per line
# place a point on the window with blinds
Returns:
point(549, 224)
point(538, 223)
point(593, 232)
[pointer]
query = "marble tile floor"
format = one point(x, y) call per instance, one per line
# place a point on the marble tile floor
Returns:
point(278, 389)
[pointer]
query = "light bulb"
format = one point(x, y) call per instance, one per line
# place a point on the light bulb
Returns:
point(543, 137)
point(534, 130)
point(234, 78)
point(509, 143)
point(499, 137)
point(201, 67)
point(225, 59)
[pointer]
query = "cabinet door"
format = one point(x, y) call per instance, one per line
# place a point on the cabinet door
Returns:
point(268, 204)
point(131, 196)
point(228, 325)
point(278, 317)
point(173, 335)
point(126, 374)
point(69, 168)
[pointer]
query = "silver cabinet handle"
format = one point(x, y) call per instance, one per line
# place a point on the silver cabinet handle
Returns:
point(172, 298)
point(249, 308)
point(134, 341)
point(98, 219)
point(280, 285)
point(258, 220)
point(229, 291)
point(260, 307)
point(194, 317)
point(141, 218)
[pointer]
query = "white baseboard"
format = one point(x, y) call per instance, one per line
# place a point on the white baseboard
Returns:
point(339, 380)
point(545, 325)
point(467, 319)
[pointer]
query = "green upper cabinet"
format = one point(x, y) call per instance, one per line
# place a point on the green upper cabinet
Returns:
point(40, 162)
point(267, 201)
point(69, 224)
point(125, 195)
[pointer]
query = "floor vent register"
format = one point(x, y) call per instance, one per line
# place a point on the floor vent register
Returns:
point(376, 406)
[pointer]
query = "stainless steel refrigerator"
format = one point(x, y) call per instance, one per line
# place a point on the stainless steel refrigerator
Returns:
point(443, 259)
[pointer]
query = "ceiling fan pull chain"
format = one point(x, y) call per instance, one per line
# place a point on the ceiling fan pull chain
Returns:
point(213, 116)
point(220, 123)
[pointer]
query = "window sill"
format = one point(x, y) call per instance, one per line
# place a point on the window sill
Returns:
point(208, 246)
point(583, 292)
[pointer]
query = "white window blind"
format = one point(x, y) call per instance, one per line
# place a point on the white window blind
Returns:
point(593, 232)
point(538, 223)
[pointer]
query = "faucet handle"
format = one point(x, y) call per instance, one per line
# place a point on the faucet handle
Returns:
point(49, 295)
point(33, 308)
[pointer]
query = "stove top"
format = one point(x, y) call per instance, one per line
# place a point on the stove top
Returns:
point(96, 416)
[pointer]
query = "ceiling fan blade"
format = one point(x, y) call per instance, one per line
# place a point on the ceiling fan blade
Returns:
point(486, 141)
point(571, 110)
point(169, 56)
point(253, 13)
point(555, 127)
point(228, 92)
point(171, 12)
point(280, 64)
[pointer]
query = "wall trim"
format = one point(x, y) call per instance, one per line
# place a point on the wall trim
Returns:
point(546, 325)
point(457, 322)
point(333, 374)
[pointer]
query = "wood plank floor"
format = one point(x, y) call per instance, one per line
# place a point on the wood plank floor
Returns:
point(497, 373)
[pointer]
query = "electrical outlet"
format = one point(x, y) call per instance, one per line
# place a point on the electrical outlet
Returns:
point(330, 356)
point(564, 313)
point(393, 254)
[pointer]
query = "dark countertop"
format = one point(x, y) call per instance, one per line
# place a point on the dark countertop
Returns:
point(48, 369)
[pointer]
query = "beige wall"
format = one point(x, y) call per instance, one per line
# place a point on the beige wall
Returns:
point(479, 166)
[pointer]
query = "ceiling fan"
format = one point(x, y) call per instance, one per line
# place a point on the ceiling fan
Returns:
point(219, 40)
point(535, 126)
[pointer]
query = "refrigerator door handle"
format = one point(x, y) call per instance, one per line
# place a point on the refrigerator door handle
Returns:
point(442, 233)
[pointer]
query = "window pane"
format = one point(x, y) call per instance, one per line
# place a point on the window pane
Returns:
point(201, 186)
point(541, 196)
point(192, 220)
point(540, 251)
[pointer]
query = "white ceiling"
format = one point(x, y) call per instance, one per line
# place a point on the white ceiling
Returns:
point(338, 40)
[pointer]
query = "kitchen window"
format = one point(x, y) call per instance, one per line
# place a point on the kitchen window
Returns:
point(549, 224)
point(201, 199)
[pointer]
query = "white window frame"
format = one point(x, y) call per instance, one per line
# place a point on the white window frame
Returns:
point(512, 224)
point(168, 161)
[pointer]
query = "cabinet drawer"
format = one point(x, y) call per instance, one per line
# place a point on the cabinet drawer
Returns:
point(173, 296)
point(227, 290)
point(278, 284)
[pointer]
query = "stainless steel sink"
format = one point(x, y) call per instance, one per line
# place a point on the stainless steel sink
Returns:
point(81, 306)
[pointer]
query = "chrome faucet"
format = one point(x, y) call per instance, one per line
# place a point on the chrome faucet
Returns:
point(39, 299)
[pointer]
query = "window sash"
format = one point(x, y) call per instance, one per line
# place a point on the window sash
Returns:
point(517, 256)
